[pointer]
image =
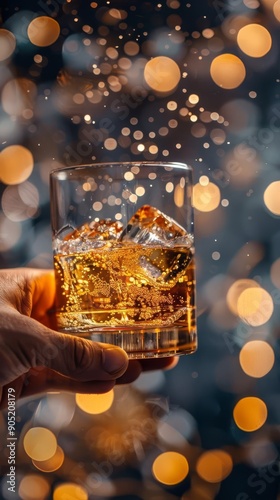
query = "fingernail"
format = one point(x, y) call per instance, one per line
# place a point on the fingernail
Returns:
point(114, 360)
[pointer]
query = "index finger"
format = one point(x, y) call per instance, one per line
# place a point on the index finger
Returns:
point(43, 293)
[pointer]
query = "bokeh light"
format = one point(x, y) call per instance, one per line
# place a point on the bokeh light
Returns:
point(162, 74)
point(254, 40)
point(55, 411)
point(110, 144)
point(18, 96)
point(43, 31)
point(52, 464)
point(261, 451)
point(242, 164)
point(206, 197)
point(241, 115)
point(214, 465)
point(16, 164)
point(271, 197)
point(33, 487)
point(235, 291)
point(70, 491)
point(170, 468)
point(250, 413)
point(256, 358)
point(276, 9)
point(179, 195)
point(20, 202)
point(95, 403)
point(10, 233)
point(7, 44)
point(275, 273)
point(131, 48)
point(40, 443)
point(255, 306)
point(227, 71)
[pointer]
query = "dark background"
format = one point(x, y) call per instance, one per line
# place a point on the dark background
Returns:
point(198, 396)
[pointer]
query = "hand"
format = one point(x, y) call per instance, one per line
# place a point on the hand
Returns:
point(35, 358)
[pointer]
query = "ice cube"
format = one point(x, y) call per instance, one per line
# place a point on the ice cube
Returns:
point(105, 230)
point(65, 232)
point(89, 235)
point(150, 226)
point(166, 265)
point(172, 251)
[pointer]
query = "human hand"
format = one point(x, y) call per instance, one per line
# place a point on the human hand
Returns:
point(35, 358)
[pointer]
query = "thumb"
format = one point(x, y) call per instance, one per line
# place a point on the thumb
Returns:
point(31, 344)
point(83, 359)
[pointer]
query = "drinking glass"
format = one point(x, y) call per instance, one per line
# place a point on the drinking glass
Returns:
point(123, 247)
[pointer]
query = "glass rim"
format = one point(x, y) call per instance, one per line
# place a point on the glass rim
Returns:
point(153, 163)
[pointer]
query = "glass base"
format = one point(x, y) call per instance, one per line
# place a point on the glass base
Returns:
point(148, 343)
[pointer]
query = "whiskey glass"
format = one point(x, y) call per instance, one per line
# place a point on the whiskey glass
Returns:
point(123, 249)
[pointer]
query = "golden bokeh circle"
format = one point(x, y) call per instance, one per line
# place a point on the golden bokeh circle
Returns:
point(206, 197)
point(255, 306)
point(95, 403)
point(40, 443)
point(70, 491)
point(256, 358)
point(235, 291)
point(214, 465)
point(170, 468)
point(250, 413)
point(271, 197)
point(162, 74)
point(33, 487)
point(52, 464)
point(43, 31)
point(227, 71)
point(254, 40)
point(16, 164)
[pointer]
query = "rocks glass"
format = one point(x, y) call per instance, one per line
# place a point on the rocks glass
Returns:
point(123, 248)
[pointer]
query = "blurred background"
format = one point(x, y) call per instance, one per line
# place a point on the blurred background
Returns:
point(197, 82)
